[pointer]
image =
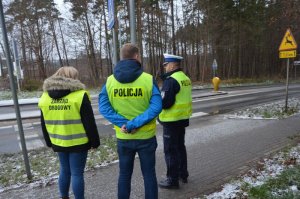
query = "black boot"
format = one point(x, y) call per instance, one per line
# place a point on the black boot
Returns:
point(168, 184)
point(183, 180)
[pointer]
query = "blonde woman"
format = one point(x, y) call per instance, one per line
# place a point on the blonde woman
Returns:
point(68, 126)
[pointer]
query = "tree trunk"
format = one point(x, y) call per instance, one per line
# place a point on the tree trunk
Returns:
point(108, 48)
point(91, 52)
point(40, 57)
point(139, 29)
point(56, 43)
point(173, 28)
point(63, 43)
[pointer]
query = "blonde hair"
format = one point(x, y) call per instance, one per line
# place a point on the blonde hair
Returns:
point(128, 51)
point(67, 71)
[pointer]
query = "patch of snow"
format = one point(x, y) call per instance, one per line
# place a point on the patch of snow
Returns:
point(273, 110)
point(228, 191)
point(271, 169)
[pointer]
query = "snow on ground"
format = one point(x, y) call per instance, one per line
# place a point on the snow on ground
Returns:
point(45, 166)
point(271, 167)
point(274, 110)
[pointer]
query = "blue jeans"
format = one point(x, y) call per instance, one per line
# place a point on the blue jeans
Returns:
point(72, 168)
point(146, 151)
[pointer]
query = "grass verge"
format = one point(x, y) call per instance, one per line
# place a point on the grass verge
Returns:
point(45, 165)
point(284, 186)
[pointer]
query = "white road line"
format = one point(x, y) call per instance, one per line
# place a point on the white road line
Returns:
point(30, 136)
point(26, 126)
point(6, 127)
point(105, 122)
point(98, 117)
point(231, 94)
point(198, 114)
point(33, 144)
point(32, 141)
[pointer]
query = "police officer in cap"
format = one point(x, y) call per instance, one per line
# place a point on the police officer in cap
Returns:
point(177, 109)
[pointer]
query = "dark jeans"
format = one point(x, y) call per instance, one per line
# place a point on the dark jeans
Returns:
point(146, 151)
point(175, 152)
point(72, 168)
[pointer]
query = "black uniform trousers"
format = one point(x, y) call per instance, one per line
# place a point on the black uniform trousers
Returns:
point(175, 152)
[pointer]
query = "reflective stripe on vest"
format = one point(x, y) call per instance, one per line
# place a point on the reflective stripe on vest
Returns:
point(62, 119)
point(130, 100)
point(182, 108)
point(62, 122)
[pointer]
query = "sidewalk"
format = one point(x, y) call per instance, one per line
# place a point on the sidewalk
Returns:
point(218, 150)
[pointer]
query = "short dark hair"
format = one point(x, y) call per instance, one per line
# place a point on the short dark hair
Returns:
point(129, 50)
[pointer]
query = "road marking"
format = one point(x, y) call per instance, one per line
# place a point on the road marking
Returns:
point(32, 138)
point(33, 144)
point(6, 127)
point(28, 137)
point(105, 122)
point(237, 93)
point(98, 117)
point(27, 126)
point(198, 114)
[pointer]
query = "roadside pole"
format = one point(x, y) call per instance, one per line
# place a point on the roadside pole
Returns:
point(132, 22)
point(115, 53)
point(17, 63)
point(13, 89)
point(214, 67)
point(111, 24)
point(287, 84)
point(287, 49)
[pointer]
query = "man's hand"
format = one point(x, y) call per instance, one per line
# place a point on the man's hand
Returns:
point(125, 130)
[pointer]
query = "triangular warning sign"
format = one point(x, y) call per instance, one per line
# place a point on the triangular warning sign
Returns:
point(288, 42)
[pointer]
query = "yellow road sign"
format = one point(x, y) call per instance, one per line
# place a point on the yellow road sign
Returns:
point(288, 42)
point(287, 54)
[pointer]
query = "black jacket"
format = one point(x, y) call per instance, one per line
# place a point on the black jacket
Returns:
point(169, 90)
point(58, 87)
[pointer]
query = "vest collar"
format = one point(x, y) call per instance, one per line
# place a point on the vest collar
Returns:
point(166, 75)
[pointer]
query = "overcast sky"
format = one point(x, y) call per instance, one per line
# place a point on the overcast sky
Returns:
point(62, 7)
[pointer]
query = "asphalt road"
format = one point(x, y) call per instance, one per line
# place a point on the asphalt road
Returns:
point(234, 99)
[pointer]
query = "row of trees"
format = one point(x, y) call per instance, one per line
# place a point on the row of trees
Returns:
point(243, 36)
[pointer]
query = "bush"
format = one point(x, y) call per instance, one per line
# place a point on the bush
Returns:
point(31, 85)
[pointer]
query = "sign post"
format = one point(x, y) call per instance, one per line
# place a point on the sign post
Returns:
point(17, 67)
point(214, 67)
point(14, 94)
point(111, 24)
point(132, 21)
point(287, 49)
point(111, 11)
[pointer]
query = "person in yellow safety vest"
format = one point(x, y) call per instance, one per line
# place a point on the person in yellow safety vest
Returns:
point(131, 101)
point(177, 109)
point(68, 126)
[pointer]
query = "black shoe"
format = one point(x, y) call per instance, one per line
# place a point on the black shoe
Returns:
point(183, 180)
point(167, 184)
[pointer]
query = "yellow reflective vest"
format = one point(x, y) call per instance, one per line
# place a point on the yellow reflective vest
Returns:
point(130, 100)
point(182, 108)
point(62, 119)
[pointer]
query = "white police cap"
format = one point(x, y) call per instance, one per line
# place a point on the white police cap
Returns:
point(172, 58)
